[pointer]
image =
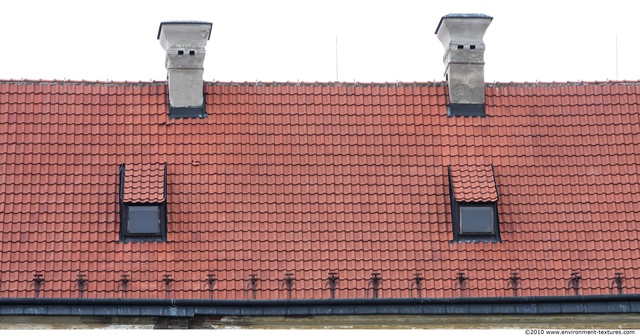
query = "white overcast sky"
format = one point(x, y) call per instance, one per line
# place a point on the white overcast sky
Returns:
point(378, 41)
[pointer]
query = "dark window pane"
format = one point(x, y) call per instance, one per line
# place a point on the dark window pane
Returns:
point(476, 220)
point(143, 220)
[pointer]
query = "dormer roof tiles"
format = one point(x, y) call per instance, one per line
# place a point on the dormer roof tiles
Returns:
point(144, 183)
point(474, 183)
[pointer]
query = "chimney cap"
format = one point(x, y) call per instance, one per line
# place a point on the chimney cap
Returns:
point(463, 16)
point(183, 23)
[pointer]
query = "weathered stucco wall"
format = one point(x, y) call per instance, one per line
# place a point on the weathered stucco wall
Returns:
point(584, 321)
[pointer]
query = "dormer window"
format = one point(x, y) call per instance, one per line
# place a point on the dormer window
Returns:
point(143, 203)
point(474, 203)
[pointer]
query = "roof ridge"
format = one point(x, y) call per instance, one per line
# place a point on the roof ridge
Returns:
point(319, 83)
point(566, 83)
point(76, 82)
point(316, 83)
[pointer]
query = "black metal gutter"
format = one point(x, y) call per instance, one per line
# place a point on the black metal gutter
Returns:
point(597, 304)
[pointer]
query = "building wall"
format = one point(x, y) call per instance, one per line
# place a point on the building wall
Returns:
point(583, 321)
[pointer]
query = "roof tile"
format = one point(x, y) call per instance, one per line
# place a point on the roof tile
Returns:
point(310, 178)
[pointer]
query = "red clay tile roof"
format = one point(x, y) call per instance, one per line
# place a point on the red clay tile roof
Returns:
point(311, 178)
point(144, 183)
point(474, 183)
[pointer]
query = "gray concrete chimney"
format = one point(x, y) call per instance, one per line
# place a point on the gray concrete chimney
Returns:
point(461, 35)
point(184, 42)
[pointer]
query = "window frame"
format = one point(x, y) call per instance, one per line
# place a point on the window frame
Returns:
point(467, 206)
point(460, 236)
point(160, 235)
